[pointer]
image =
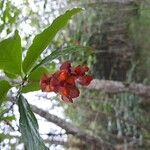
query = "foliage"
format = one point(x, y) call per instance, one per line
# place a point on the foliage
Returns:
point(15, 68)
point(29, 126)
point(9, 49)
point(42, 40)
point(4, 87)
point(8, 16)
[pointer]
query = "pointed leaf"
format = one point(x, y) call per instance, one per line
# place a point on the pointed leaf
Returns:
point(11, 55)
point(34, 79)
point(29, 127)
point(4, 87)
point(58, 53)
point(42, 40)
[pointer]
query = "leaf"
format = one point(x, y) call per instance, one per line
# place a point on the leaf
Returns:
point(9, 75)
point(7, 118)
point(11, 54)
point(4, 87)
point(52, 67)
point(29, 127)
point(57, 53)
point(42, 40)
point(34, 79)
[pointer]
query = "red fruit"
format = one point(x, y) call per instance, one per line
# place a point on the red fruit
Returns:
point(63, 75)
point(66, 65)
point(54, 84)
point(43, 86)
point(45, 79)
point(74, 92)
point(64, 91)
point(49, 88)
point(44, 82)
point(66, 99)
point(71, 80)
point(63, 81)
point(85, 80)
point(80, 70)
point(85, 68)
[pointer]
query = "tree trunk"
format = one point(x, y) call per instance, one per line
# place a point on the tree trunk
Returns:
point(114, 48)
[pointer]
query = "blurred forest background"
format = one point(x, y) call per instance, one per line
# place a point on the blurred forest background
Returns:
point(118, 34)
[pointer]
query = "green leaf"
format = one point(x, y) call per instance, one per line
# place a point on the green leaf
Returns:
point(42, 40)
point(11, 54)
point(7, 118)
point(29, 127)
point(34, 79)
point(9, 75)
point(4, 87)
point(58, 53)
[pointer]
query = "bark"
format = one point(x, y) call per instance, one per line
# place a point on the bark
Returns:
point(98, 142)
point(117, 87)
point(112, 42)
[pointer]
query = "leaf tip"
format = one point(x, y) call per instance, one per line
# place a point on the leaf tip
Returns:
point(79, 9)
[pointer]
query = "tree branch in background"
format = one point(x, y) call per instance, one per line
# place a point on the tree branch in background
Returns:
point(117, 87)
point(72, 129)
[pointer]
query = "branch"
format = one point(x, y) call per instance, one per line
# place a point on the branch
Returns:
point(117, 87)
point(72, 129)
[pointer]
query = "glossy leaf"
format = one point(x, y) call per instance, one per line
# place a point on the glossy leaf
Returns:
point(58, 53)
point(11, 54)
point(29, 127)
point(4, 87)
point(34, 79)
point(42, 40)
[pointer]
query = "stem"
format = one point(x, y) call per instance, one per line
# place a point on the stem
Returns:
point(21, 85)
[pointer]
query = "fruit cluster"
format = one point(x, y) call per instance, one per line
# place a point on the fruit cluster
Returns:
point(65, 80)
